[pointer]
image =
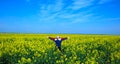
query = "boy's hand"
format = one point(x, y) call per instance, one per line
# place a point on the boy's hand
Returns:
point(68, 37)
point(47, 36)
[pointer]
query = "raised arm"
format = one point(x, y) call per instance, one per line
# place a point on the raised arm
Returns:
point(51, 38)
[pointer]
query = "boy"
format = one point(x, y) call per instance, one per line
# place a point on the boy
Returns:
point(58, 41)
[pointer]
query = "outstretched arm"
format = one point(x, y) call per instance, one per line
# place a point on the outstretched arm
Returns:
point(64, 38)
point(51, 38)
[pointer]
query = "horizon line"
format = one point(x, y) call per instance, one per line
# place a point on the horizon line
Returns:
point(57, 33)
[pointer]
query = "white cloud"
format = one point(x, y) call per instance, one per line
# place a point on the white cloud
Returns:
point(80, 19)
point(27, 0)
point(53, 7)
point(58, 5)
point(84, 18)
point(49, 18)
point(104, 1)
point(66, 16)
point(74, 15)
point(47, 12)
point(117, 19)
point(77, 4)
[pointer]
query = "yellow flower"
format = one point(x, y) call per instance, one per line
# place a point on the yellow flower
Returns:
point(28, 60)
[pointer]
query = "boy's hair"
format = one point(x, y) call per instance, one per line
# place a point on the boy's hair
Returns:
point(57, 36)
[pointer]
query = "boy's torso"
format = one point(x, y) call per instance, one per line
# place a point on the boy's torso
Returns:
point(58, 41)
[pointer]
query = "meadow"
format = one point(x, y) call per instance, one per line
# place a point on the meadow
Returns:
point(79, 49)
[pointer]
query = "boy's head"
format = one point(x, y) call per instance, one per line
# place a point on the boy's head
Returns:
point(57, 36)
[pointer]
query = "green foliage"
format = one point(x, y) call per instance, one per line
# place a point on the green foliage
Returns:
point(79, 49)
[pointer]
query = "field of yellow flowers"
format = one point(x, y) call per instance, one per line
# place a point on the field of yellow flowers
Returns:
point(79, 49)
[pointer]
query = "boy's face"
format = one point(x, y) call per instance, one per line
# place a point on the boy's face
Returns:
point(58, 37)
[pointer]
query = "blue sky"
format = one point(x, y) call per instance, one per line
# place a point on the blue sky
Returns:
point(60, 16)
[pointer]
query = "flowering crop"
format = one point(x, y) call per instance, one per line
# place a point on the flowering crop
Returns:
point(38, 49)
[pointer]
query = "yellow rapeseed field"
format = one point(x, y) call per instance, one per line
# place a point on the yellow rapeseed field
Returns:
point(79, 49)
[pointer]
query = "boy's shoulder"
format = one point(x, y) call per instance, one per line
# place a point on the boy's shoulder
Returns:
point(58, 39)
